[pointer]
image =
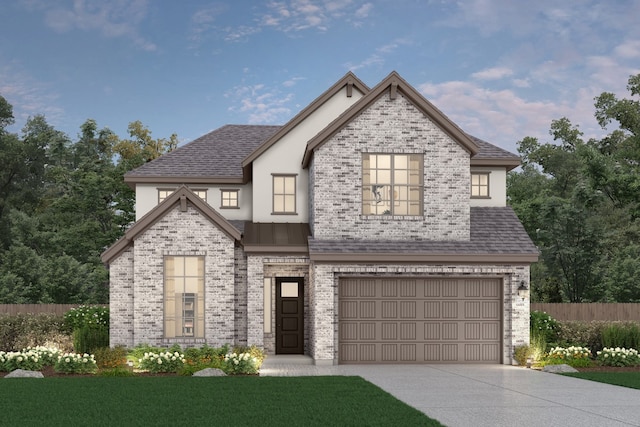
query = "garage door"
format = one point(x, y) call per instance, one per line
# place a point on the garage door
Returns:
point(400, 320)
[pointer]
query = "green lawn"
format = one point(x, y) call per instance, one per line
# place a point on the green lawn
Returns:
point(229, 401)
point(625, 379)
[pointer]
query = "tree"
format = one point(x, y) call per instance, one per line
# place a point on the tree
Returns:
point(61, 204)
point(580, 203)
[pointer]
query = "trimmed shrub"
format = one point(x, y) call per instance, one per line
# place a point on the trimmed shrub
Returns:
point(111, 358)
point(621, 334)
point(618, 357)
point(572, 356)
point(72, 363)
point(87, 339)
point(32, 330)
point(90, 326)
point(581, 334)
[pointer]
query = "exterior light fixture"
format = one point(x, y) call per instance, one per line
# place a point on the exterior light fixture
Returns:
point(523, 291)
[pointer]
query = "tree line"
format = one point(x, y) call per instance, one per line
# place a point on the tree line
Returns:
point(579, 200)
point(62, 202)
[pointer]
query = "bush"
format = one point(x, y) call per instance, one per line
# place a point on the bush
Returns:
point(111, 358)
point(162, 362)
point(586, 334)
point(572, 356)
point(618, 357)
point(116, 372)
point(31, 330)
point(619, 334)
point(543, 327)
point(522, 353)
point(73, 363)
point(255, 352)
point(86, 315)
point(241, 363)
point(139, 351)
point(87, 339)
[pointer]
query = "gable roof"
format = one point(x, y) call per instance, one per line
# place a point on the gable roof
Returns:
point(213, 158)
point(497, 236)
point(392, 83)
point(350, 80)
point(182, 196)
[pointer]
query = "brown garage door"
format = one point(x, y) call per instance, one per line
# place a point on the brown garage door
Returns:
point(422, 320)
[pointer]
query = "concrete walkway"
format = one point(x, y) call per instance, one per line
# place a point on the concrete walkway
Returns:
point(487, 395)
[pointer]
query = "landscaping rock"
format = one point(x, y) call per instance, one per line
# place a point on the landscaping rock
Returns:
point(210, 372)
point(21, 373)
point(559, 369)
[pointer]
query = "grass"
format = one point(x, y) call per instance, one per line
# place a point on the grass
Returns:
point(624, 379)
point(236, 401)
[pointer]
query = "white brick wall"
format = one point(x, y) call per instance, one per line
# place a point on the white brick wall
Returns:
point(177, 233)
point(390, 126)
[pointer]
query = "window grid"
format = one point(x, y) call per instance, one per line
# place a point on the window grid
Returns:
point(229, 199)
point(184, 297)
point(164, 193)
point(392, 184)
point(479, 185)
point(284, 194)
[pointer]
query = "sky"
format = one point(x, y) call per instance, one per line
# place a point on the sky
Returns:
point(501, 69)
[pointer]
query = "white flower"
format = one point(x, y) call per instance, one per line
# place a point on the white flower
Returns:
point(159, 361)
point(67, 360)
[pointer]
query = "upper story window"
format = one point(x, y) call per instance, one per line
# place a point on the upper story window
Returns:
point(480, 185)
point(228, 199)
point(163, 193)
point(392, 184)
point(284, 194)
point(184, 296)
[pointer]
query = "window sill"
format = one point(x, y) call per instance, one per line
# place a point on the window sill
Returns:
point(229, 207)
point(284, 213)
point(481, 197)
point(394, 217)
point(185, 340)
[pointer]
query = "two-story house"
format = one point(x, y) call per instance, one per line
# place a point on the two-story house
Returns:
point(368, 229)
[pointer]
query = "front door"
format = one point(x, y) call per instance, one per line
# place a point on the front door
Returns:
point(289, 315)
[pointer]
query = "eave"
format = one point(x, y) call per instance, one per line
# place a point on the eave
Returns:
point(403, 258)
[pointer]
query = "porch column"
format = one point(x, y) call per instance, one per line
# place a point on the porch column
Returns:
point(255, 298)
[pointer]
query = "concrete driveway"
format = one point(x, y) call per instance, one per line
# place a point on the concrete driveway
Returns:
point(491, 395)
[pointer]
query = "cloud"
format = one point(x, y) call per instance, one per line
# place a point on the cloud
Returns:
point(260, 104)
point(203, 20)
point(377, 58)
point(503, 117)
point(113, 19)
point(27, 96)
point(295, 16)
point(630, 49)
point(495, 73)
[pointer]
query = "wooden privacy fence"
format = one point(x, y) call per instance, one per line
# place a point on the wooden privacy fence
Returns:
point(59, 309)
point(590, 311)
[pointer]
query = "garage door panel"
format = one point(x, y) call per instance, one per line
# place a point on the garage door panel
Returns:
point(420, 321)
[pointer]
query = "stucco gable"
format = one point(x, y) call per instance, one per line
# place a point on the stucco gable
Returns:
point(393, 85)
point(183, 196)
point(349, 80)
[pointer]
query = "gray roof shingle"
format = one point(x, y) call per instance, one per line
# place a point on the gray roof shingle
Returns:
point(494, 231)
point(490, 151)
point(219, 154)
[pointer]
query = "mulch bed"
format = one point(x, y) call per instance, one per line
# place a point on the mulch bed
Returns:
point(49, 372)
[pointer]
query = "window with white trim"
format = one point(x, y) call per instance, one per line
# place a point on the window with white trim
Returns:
point(392, 184)
point(184, 297)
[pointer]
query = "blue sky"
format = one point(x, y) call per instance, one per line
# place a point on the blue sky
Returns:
point(502, 70)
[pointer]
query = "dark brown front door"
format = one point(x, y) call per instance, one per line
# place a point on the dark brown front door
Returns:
point(289, 315)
